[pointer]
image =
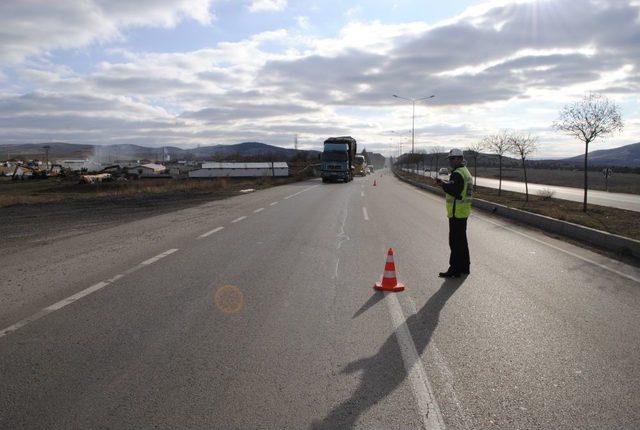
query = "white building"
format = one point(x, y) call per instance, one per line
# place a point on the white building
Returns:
point(149, 169)
point(239, 170)
point(79, 164)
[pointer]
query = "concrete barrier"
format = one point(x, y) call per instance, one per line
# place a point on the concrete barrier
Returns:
point(597, 238)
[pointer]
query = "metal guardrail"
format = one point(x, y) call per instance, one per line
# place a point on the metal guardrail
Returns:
point(597, 238)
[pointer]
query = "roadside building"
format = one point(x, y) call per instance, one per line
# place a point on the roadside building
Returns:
point(148, 170)
point(78, 165)
point(240, 170)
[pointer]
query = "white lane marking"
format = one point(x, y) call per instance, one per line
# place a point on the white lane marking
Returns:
point(258, 210)
point(238, 219)
point(158, 257)
point(440, 363)
point(300, 192)
point(427, 406)
point(77, 296)
point(361, 193)
point(273, 203)
point(483, 218)
point(210, 232)
point(602, 266)
point(115, 278)
point(364, 212)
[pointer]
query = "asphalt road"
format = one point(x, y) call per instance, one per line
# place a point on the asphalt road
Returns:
point(258, 312)
point(616, 200)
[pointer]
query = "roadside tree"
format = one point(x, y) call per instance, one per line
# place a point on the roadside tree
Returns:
point(499, 144)
point(435, 152)
point(474, 150)
point(523, 145)
point(593, 116)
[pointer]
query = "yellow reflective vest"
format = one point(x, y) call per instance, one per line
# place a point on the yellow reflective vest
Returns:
point(461, 207)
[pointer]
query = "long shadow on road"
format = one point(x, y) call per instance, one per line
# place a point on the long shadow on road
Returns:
point(383, 372)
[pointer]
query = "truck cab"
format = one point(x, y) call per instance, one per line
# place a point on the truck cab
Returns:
point(338, 159)
point(360, 165)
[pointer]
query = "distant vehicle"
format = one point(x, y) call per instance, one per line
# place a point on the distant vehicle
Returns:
point(443, 171)
point(360, 165)
point(370, 168)
point(338, 159)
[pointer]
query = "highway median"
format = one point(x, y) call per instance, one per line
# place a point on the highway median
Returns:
point(611, 229)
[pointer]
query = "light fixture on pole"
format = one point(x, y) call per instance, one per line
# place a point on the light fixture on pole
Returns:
point(413, 116)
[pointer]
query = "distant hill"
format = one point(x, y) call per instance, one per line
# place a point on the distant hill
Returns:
point(627, 156)
point(623, 156)
point(246, 151)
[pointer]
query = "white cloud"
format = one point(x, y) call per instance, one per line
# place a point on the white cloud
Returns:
point(33, 27)
point(267, 5)
point(303, 22)
point(486, 76)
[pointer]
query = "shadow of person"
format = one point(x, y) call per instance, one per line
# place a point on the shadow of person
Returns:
point(383, 372)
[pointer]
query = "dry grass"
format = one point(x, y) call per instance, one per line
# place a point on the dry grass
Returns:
point(613, 220)
point(56, 190)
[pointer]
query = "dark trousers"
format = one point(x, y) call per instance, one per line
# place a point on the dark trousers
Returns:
point(459, 259)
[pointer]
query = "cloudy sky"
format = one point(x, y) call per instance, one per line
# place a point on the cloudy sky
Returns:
point(200, 72)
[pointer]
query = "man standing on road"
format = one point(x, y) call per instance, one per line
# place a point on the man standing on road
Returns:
point(458, 192)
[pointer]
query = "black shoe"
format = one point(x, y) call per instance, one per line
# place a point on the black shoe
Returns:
point(449, 274)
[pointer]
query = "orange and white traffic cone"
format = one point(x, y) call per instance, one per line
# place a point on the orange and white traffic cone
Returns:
point(374, 182)
point(389, 281)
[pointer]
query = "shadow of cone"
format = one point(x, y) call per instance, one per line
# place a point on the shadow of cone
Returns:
point(389, 281)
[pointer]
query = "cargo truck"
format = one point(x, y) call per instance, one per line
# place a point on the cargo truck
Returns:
point(360, 165)
point(338, 158)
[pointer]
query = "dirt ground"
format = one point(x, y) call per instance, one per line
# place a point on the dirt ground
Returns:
point(612, 220)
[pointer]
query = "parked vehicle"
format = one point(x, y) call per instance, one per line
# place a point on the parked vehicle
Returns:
point(443, 171)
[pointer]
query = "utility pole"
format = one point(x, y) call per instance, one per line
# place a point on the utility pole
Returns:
point(46, 156)
point(295, 141)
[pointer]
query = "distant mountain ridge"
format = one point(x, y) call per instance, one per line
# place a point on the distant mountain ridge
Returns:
point(121, 152)
point(625, 156)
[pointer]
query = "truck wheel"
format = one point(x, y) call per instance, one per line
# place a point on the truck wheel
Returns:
point(325, 180)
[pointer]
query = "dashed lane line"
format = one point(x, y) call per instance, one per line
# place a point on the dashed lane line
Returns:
point(238, 219)
point(210, 232)
point(158, 257)
point(77, 296)
point(365, 214)
point(299, 192)
point(258, 210)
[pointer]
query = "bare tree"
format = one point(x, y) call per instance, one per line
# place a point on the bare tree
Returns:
point(523, 145)
point(474, 149)
point(498, 144)
point(587, 119)
point(435, 152)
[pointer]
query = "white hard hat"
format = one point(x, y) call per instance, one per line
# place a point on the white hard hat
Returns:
point(455, 152)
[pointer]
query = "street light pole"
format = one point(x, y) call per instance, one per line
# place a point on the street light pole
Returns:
point(413, 117)
point(413, 127)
